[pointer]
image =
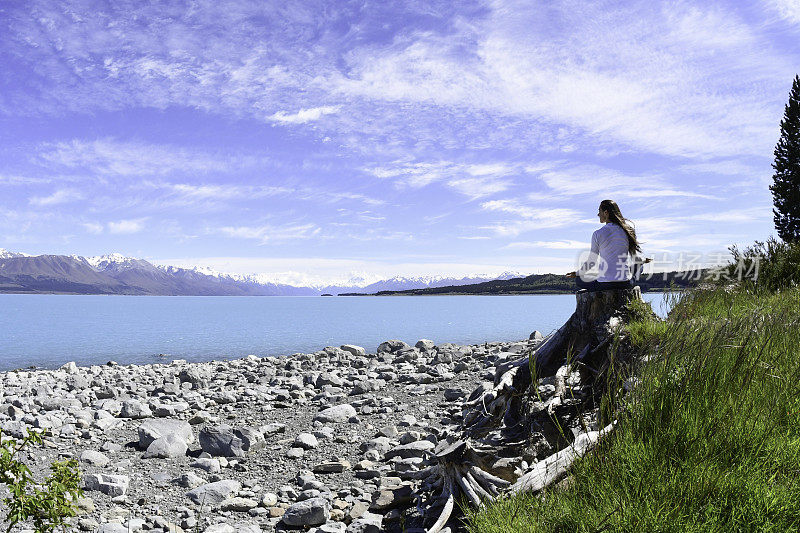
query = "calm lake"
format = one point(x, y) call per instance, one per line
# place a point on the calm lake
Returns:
point(50, 330)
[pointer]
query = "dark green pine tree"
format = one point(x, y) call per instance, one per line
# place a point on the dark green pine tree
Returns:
point(786, 180)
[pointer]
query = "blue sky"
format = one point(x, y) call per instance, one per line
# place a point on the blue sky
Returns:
point(325, 138)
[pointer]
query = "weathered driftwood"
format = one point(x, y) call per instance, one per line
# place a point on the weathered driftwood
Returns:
point(501, 417)
point(555, 468)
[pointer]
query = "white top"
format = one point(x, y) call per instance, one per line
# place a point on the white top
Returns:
point(609, 253)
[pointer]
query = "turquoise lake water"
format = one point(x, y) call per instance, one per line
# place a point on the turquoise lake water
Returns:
point(50, 330)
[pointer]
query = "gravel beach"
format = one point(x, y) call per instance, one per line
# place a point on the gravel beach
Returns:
point(317, 442)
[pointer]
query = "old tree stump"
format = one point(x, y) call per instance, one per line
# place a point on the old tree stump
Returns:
point(523, 432)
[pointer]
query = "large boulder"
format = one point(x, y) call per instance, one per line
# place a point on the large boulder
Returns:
point(211, 466)
point(223, 440)
point(196, 375)
point(311, 512)
point(306, 441)
point(135, 409)
point(112, 527)
point(420, 448)
point(166, 447)
point(327, 378)
point(368, 523)
point(353, 349)
point(69, 368)
point(111, 485)
point(156, 428)
point(220, 528)
point(425, 344)
point(94, 458)
point(392, 346)
point(337, 413)
point(252, 439)
point(214, 493)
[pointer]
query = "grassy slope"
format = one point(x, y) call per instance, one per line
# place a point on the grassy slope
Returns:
point(712, 440)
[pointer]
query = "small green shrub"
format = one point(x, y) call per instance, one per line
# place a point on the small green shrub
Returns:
point(771, 265)
point(47, 505)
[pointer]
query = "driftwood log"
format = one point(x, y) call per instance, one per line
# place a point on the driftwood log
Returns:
point(542, 406)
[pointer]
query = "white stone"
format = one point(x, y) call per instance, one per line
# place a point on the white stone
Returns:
point(214, 493)
point(189, 480)
point(306, 441)
point(135, 409)
point(70, 368)
point(94, 458)
point(211, 466)
point(337, 413)
point(269, 499)
point(111, 485)
point(425, 344)
point(311, 512)
point(166, 447)
point(150, 430)
point(353, 349)
point(219, 528)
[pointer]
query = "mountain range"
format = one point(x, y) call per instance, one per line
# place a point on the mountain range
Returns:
point(117, 274)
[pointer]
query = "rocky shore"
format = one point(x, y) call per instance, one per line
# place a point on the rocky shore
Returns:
point(325, 442)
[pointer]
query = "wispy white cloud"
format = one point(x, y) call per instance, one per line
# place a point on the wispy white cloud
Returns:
point(61, 196)
point(93, 227)
point(304, 115)
point(583, 179)
point(677, 79)
point(109, 157)
point(126, 227)
point(270, 233)
point(553, 245)
point(735, 216)
point(532, 218)
point(224, 192)
point(472, 180)
point(646, 84)
point(788, 9)
point(7, 179)
point(647, 227)
point(479, 187)
point(219, 196)
point(326, 195)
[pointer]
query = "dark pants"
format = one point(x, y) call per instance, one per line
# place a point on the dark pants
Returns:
point(594, 286)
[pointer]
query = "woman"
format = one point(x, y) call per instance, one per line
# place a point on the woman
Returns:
point(613, 252)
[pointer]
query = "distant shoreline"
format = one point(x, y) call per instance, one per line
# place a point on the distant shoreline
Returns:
point(388, 293)
point(520, 293)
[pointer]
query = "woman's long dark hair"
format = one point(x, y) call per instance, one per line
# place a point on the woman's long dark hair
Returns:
point(615, 216)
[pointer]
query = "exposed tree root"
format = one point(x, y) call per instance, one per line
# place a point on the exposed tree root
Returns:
point(538, 402)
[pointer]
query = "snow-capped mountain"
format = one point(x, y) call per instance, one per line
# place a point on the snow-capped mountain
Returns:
point(5, 254)
point(359, 282)
point(109, 261)
point(118, 274)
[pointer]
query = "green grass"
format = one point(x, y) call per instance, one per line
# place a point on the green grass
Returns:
point(710, 439)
